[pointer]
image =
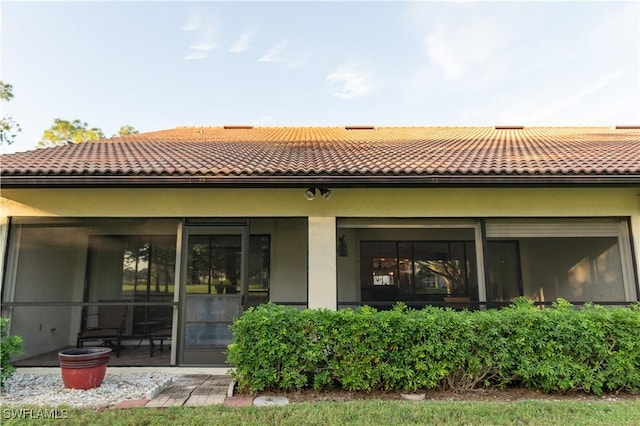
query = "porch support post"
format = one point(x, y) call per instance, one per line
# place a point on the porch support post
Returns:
point(635, 239)
point(4, 245)
point(179, 275)
point(481, 261)
point(322, 274)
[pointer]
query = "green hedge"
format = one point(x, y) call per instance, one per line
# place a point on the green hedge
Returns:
point(9, 345)
point(556, 349)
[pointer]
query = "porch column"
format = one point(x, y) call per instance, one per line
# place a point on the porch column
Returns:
point(4, 245)
point(323, 283)
point(635, 231)
point(481, 240)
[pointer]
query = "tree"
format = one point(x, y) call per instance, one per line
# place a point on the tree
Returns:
point(9, 129)
point(126, 130)
point(6, 91)
point(63, 131)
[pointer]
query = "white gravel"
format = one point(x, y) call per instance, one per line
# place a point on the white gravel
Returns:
point(48, 390)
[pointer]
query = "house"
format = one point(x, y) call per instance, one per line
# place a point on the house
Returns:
point(190, 226)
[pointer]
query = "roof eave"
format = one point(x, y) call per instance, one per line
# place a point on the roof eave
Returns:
point(468, 180)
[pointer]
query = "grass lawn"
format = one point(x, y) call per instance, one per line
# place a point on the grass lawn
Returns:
point(363, 412)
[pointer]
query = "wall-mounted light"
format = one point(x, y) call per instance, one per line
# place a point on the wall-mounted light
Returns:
point(326, 193)
point(310, 193)
point(343, 251)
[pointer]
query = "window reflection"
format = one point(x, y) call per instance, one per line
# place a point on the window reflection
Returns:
point(214, 266)
point(135, 269)
point(417, 271)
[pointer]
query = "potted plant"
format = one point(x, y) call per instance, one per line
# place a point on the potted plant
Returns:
point(83, 368)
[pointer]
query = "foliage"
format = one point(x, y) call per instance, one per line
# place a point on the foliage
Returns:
point(6, 91)
point(63, 131)
point(557, 349)
point(126, 130)
point(76, 131)
point(9, 129)
point(9, 345)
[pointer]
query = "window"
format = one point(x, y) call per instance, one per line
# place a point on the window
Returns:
point(417, 270)
point(214, 266)
point(259, 269)
point(581, 260)
point(134, 269)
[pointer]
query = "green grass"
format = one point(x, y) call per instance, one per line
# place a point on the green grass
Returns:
point(372, 412)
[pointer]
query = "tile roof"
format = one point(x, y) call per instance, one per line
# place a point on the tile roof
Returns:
point(304, 154)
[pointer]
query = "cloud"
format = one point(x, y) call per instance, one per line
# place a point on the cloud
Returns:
point(467, 42)
point(603, 100)
point(274, 54)
point(204, 33)
point(197, 54)
point(350, 83)
point(262, 120)
point(466, 51)
point(299, 61)
point(204, 45)
point(242, 43)
point(551, 109)
point(280, 53)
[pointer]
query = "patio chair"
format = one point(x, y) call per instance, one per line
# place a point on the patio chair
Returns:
point(161, 336)
point(111, 325)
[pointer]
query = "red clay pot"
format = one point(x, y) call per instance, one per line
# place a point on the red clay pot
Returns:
point(83, 368)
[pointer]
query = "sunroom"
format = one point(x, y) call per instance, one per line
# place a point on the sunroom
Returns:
point(63, 274)
point(486, 262)
point(183, 281)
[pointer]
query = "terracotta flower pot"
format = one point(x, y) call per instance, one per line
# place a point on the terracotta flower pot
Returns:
point(83, 368)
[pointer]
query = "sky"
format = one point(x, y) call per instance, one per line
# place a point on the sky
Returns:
point(161, 65)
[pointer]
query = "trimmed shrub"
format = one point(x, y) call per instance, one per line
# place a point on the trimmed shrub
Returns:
point(9, 345)
point(555, 349)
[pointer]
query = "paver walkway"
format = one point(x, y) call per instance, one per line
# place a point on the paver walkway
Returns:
point(193, 390)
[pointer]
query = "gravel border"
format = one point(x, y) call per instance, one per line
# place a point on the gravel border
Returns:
point(49, 391)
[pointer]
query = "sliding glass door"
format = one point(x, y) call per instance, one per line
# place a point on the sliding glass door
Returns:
point(215, 290)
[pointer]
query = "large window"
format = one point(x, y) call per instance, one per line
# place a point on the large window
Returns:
point(417, 271)
point(581, 260)
point(134, 269)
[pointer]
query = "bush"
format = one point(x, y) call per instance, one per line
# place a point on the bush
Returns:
point(9, 345)
point(556, 349)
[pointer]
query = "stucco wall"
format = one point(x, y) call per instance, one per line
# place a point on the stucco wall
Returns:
point(288, 280)
point(387, 202)
point(344, 203)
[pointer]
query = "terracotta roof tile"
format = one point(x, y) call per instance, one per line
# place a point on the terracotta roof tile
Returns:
point(265, 152)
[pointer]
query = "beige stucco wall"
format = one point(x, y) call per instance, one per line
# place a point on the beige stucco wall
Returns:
point(288, 263)
point(388, 202)
point(344, 203)
point(323, 291)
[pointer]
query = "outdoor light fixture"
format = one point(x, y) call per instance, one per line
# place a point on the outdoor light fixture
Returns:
point(325, 192)
point(310, 193)
point(343, 251)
